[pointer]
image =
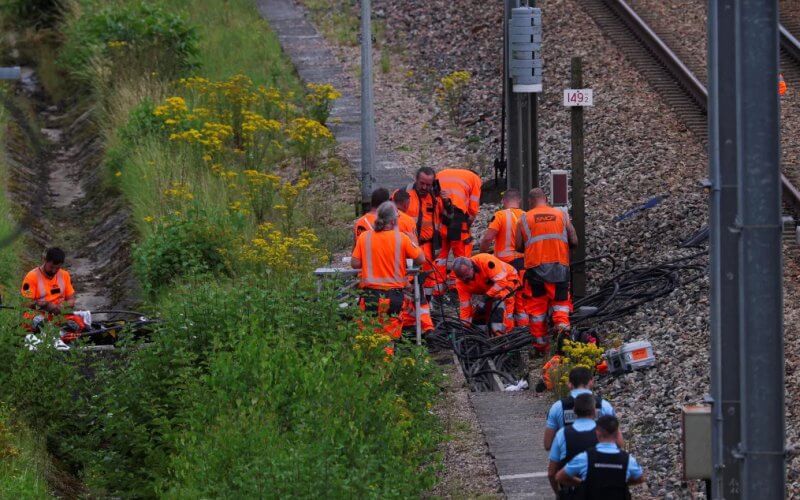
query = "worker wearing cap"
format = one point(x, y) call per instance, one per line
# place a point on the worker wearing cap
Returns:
point(604, 471)
point(381, 256)
point(562, 412)
point(49, 287)
point(424, 207)
point(545, 235)
point(486, 275)
point(367, 221)
point(407, 226)
point(460, 191)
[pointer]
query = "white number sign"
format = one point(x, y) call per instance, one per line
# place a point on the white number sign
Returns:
point(578, 97)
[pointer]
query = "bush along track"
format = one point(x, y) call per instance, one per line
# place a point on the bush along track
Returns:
point(255, 385)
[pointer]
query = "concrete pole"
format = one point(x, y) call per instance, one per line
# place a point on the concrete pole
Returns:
point(724, 250)
point(367, 110)
point(763, 463)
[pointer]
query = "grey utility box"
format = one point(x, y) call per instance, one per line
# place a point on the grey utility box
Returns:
point(696, 424)
point(525, 50)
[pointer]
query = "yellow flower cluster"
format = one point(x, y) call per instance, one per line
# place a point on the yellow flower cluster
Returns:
point(274, 249)
point(179, 191)
point(322, 93)
point(451, 90)
point(211, 136)
point(305, 131)
point(576, 354)
point(117, 44)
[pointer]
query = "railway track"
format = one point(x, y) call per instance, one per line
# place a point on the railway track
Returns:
point(670, 77)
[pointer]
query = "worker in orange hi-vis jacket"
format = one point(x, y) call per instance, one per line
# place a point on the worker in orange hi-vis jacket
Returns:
point(545, 235)
point(407, 226)
point(502, 231)
point(460, 191)
point(486, 275)
point(381, 256)
point(425, 207)
point(367, 221)
point(781, 84)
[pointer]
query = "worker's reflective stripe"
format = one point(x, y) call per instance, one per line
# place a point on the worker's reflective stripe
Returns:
point(427, 290)
point(538, 318)
point(561, 308)
point(424, 309)
point(499, 327)
point(41, 287)
point(366, 221)
point(370, 277)
point(521, 316)
point(530, 240)
point(475, 198)
point(465, 303)
point(510, 222)
point(457, 180)
point(441, 262)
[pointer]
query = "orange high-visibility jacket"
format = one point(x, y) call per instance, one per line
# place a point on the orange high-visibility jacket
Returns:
point(781, 84)
point(544, 230)
point(36, 286)
point(493, 278)
point(407, 225)
point(505, 222)
point(364, 223)
point(424, 211)
point(463, 188)
point(383, 257)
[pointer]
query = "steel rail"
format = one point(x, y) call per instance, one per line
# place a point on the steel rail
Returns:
point(684, 76)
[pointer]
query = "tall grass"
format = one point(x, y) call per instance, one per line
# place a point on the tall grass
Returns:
point(254, 385)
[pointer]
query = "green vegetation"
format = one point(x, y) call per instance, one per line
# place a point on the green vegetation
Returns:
point(21, 460)
point(255, 385)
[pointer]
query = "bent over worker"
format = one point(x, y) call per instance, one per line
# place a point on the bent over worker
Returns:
point(502, 231)
point(381, 256)
point(545, 235)
point(49, 287)
point(486, 275)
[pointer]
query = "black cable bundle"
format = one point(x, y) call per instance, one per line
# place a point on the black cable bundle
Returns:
point(629, 289)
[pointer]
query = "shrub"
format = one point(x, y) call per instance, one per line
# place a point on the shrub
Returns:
point(452, 92)
point(37, 13)
point(575, 354)
point(129, 40)
point(319, 99)
point(180, 245)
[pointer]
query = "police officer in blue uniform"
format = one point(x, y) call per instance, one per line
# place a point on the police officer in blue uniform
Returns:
point(562, 412)
point(572, 440)
point(603, 472)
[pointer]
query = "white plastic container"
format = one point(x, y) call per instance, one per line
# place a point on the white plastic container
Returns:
point(631, 356)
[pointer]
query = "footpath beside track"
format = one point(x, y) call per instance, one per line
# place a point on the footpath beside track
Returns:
point(315, 63)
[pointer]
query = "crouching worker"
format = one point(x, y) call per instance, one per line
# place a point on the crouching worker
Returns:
point(602, 471)
point(486, 275)
point(381, 256)
point(48, 290)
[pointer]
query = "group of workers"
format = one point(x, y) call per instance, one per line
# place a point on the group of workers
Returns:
point(522, 284)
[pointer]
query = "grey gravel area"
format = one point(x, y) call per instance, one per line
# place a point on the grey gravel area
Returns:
point(636, 149)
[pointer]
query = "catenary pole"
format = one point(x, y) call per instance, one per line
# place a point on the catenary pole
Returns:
point(760, 261)
point(367, 109)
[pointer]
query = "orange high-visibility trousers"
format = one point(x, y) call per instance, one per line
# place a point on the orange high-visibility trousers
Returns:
point(429, 283)
point(409, 319)
point(388, 305)
point(541, 301)
point(460, 248)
